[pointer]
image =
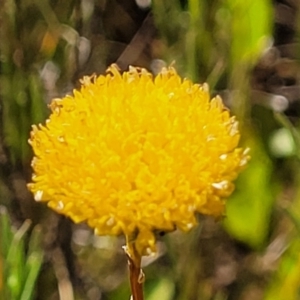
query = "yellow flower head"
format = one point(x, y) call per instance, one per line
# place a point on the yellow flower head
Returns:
point(133, 154)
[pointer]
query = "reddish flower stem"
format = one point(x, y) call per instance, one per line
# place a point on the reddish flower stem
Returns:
point(136, 275)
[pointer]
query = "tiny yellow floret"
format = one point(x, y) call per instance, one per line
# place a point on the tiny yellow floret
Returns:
point(131, 154)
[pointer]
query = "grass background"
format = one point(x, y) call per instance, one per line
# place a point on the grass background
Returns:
point(248, 52)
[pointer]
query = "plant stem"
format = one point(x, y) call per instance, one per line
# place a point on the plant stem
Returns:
point(136, 275)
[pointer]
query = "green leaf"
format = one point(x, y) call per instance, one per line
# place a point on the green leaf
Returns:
point(20, 271)
point(6, 235)
point(284, 284)
point(33, 263)
point(164, 289)
point(250, 28)
point(250, 207)
point(15, 261)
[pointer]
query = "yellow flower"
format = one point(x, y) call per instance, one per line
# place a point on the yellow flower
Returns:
point(131, 154)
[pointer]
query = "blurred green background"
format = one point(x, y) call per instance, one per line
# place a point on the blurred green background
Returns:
point(248, 52)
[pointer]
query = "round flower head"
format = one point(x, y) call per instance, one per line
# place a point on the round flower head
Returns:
point(131, 154)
